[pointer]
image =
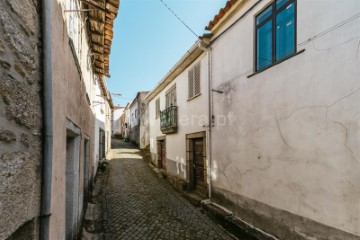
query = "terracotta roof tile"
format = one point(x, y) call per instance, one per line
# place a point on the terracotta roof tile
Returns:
point(221, 14)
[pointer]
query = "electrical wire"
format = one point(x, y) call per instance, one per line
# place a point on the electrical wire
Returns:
point(330, 29)
point(192, 31)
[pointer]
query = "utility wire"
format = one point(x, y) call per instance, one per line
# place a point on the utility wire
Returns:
point(179, 18)
point(331, 29)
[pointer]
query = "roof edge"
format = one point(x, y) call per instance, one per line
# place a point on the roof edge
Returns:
point(224, 14)
point(196, 50)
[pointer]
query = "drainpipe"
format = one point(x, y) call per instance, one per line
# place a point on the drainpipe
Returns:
point(208, 49)
point(47, 119)
point(211, 120)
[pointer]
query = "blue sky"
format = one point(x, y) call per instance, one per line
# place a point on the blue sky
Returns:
point(149, 40)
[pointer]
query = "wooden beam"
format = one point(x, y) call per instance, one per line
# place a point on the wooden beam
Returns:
point(96, 5)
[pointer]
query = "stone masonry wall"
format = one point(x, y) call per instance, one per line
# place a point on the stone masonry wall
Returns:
point(20, 119)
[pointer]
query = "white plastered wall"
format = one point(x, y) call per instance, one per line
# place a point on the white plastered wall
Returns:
point(294, 143)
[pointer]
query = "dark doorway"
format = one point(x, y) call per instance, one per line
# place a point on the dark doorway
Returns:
point(162, 154)
point(86, 167)
point(101, 144)
point(72, 184)
point(196, 163)
point(199, 165)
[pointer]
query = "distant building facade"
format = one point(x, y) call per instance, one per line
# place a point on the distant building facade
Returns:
point(136, 107)
point(116, 121)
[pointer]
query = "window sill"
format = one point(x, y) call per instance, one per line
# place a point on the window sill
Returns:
point(189, 99)
point(262, 70)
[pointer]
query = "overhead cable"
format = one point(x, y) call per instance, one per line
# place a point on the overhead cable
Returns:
point(192, 31)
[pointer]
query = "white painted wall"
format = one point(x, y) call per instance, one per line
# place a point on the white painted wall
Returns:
point(134, 115)
point(294, 140)
point(102, 114)
point(116, 124)
point(192, 116)
point(126, 116)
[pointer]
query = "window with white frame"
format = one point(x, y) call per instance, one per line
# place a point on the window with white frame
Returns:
point(194, 87)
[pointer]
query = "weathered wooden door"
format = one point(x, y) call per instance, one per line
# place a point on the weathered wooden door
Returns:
point(163, 154)
point(101, 144)
point(161, 146)
point(199, 165)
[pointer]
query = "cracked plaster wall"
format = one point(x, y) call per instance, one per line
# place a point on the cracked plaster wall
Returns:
point(20, 119)
point(294, 143)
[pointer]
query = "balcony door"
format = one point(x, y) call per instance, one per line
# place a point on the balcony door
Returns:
point(171, 97)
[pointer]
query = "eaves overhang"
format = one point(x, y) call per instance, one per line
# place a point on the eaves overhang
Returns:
point(100, 19)
point(105, 93)
point(224, 14)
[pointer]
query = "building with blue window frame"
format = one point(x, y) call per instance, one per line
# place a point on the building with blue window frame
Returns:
point(284, 74)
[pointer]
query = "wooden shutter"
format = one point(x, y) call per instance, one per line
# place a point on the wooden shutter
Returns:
point(197, 79)
point(191, 83)
point(157, 108)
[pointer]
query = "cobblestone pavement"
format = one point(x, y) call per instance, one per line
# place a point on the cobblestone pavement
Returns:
point(139, 205)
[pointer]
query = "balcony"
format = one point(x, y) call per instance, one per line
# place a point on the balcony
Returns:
point(168, 120)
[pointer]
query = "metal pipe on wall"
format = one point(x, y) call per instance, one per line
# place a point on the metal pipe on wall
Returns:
point(209, 49)
point(47, 13)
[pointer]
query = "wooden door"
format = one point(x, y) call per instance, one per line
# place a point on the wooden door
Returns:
point(163, 154)
point(199, 165)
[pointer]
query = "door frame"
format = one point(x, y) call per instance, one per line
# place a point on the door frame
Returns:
point(73, 205)
point(160, 141)
point(189, 159)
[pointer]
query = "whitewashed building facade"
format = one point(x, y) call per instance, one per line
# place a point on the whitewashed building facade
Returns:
point(116, 125)
point(178, 117)
point(282, 95)
point(290, 82)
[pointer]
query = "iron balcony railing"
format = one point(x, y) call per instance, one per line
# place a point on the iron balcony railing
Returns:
point(168, 120)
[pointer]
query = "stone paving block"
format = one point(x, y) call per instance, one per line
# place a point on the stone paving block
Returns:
point(139, 205)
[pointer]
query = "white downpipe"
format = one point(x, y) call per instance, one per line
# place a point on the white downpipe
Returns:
point(209, 51)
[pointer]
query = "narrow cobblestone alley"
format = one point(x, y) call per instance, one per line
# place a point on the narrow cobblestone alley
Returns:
point(139, 205)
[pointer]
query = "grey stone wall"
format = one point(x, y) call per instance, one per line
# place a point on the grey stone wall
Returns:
point(20, 119)
point(134, 135)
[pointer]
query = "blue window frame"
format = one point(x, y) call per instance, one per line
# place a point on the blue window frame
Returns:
point(275, 33)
